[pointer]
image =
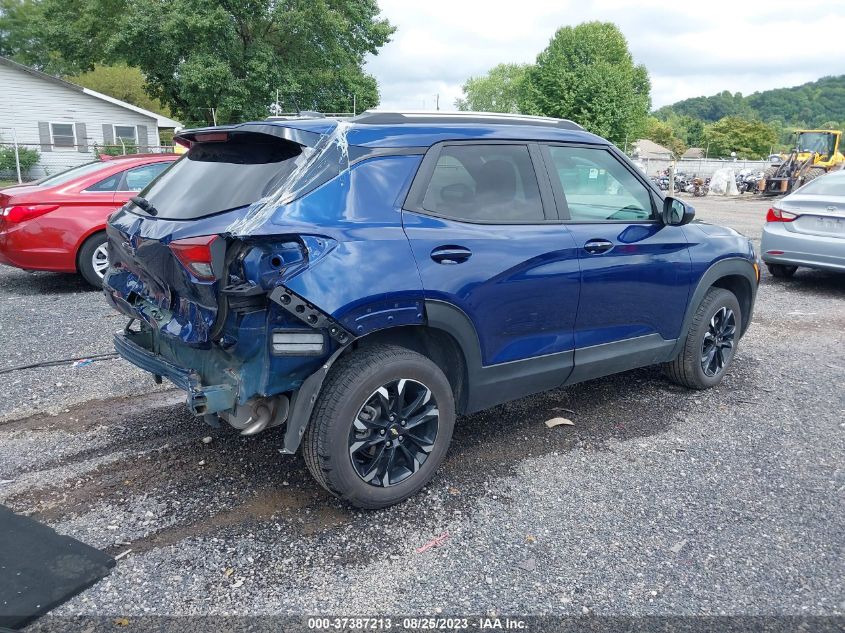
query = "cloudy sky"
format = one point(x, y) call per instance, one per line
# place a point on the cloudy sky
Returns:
point(690, 49)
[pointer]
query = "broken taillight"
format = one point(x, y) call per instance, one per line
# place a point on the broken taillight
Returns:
point(195, 255)
point(779, 215)
point(22, 213)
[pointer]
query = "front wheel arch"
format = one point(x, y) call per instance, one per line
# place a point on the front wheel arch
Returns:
point(737, 275)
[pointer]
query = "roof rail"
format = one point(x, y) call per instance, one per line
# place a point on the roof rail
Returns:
point(380, 117)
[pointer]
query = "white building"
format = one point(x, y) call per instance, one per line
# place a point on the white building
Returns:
point(65, 122)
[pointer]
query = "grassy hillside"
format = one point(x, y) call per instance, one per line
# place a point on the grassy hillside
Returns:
point(813, 104)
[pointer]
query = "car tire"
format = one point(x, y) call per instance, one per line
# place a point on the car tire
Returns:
point(710, 344)
point(781, 271)
point(92, 259)
point(351, 436)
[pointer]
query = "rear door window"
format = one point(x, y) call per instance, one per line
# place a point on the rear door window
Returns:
point(484, 183)
point(214, 177)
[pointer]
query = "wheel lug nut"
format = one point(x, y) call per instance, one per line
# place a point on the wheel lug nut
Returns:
point(381, 432)
point(401, 438)
point(403, 423)
point(392, 417)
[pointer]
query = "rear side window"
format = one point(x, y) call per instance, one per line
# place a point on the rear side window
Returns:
point(108, 184)
point(597, 187)
point(216, 177)
point(486, 183)
point(140, 177)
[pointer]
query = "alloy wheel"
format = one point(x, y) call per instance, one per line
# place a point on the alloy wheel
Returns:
point(718, 343)
point(394, 432)
point(100, 260)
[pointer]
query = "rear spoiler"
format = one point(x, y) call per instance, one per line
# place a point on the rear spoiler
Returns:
point(301, 137)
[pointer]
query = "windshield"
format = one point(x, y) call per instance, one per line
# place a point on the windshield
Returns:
point(215, 177)
point(832, 185)
point(71, 174)
point(819, 142)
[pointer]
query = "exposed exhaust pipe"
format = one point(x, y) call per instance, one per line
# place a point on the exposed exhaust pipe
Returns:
point(258, 421)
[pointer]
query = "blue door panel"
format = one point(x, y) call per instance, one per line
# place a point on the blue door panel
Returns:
point(519, 286)
point(638, 287)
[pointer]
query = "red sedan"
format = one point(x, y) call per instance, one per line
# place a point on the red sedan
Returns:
point(58, 223)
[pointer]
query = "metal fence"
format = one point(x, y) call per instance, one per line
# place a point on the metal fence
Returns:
point(25, 162)
point(700, 167)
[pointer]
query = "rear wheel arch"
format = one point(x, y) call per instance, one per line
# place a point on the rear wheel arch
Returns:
point(434, 343)
point(99, 230)
point(84, 252)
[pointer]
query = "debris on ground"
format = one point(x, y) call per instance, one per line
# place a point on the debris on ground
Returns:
point(433, 543)
point(559, 422)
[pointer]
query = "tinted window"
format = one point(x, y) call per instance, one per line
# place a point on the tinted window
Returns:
point(216, 177)
point(108, 184)
point(484, 183)
point(597, 187)
point(140, 177)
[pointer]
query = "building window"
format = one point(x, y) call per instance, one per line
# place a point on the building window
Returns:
point(63, 135)
point(125, 133)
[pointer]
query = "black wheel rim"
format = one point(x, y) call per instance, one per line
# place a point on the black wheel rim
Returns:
point(394, 432)
point(718, 345)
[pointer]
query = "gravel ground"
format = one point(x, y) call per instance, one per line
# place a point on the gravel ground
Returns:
point(659, 501)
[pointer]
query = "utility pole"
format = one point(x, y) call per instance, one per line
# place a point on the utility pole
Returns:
point(354, 104)
point(437, 102)
point(214, 116)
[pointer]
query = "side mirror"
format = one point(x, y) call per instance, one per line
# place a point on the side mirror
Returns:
point(676, 212)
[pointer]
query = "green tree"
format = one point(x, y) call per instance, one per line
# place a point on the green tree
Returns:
point(588, 75)
point(809, 105)
point(749, 139)
point(227, 55)
point(121, 82)
point(21, 36)
point(497, 91)
point(689, 129)
point(663, 134)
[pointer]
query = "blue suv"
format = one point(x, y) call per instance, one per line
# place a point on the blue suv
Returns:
point(357, 284)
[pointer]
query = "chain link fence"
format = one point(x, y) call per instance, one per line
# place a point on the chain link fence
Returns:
point(26, 162)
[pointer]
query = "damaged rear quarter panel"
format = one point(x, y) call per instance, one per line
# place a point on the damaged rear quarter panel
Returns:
point(369, 280)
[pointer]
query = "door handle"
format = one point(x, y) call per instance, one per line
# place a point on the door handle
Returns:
point(450, 254)
point(595, 247)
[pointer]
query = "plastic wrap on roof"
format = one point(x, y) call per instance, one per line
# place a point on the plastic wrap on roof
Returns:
point(723, 183)
point(328, 158)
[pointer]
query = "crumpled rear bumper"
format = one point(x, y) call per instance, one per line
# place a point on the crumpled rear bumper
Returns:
point(202, 399)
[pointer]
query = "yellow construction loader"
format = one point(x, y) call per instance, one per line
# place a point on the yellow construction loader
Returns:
point(816, 153)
